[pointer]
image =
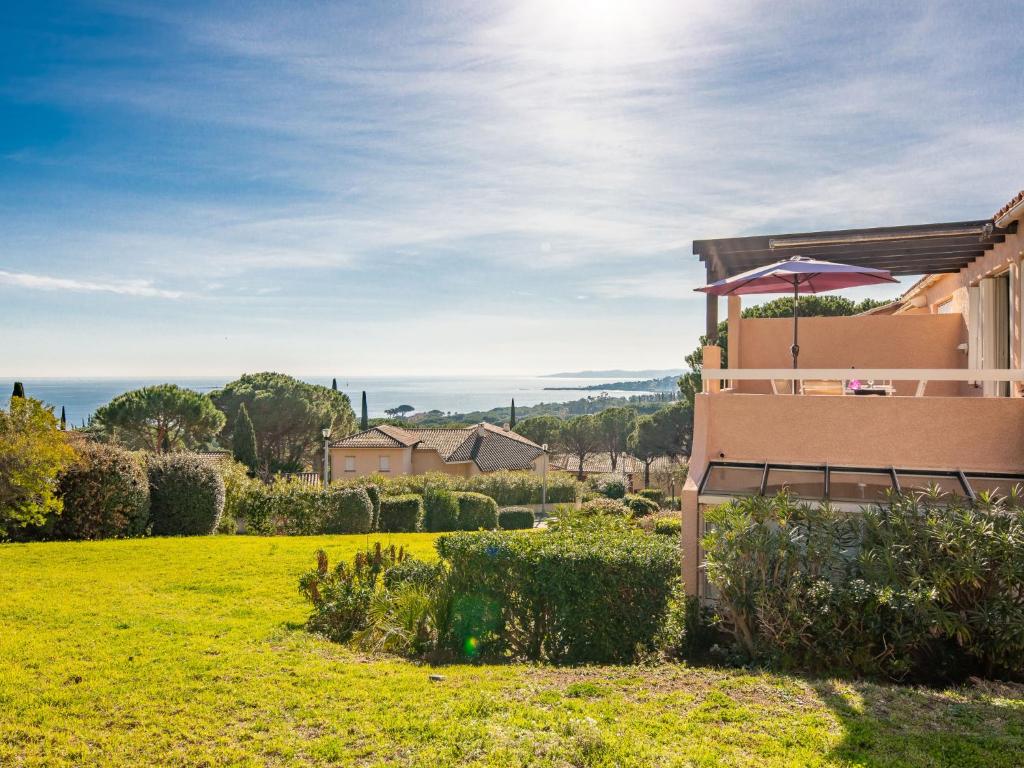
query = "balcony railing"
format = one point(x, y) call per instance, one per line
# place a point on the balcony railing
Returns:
point(847, 375)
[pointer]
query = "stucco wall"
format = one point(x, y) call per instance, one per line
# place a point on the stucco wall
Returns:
point(368, 461)
point(430, 461)
point(871, 341)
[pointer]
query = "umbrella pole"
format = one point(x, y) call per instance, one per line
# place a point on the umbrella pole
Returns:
point(795, 349)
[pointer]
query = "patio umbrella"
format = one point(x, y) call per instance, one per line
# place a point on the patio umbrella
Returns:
point(799, 275)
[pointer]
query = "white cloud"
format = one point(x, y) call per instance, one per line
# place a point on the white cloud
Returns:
point(122, 287)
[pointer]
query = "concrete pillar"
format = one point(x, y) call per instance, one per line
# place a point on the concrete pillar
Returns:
point(735, 315)
point(712, 362)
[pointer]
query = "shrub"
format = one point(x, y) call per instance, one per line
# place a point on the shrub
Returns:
point(610, 486)
point(924, 587)
point(557, 597)
point(293, 508)
point(476, 511)
point(416, 572)
point(186, 495)
point(668, 526)
point(441, 510)
point(602, 506)
point(346, 510)
point(105, 494)
point(654, 494)
point(639, 506)
point(236, 484)
point(373, 493)
point(506, 488)
point(341, 596)
point(401, 513)
point(515, 518)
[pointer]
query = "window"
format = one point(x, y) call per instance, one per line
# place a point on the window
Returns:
point(923, 483)
point(994, 485)
point(858, 485)
point(733, 481)
point(350, 463)
point(802, 483)
point(385, 464)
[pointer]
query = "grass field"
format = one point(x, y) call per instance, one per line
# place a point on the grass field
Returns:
point(192, 652)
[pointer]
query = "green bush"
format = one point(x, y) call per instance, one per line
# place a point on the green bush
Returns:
point(296, 509)
point(557, 597)
point(476, 511)
point(373, 493)
point(411, 571)
point(441, 510)
point(603, 506)
point(346, 510)
point(921, 588)
point(668, 526)
point(341, 597)
point(105, 494)
point(401, 513)
point(640, 506)
point(237, 482)
point(515, 518)
point(610, 486)
point(654, 494)
point(506, 488)
point(186, 495)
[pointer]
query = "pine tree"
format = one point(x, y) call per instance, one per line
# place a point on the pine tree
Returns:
point(243, 439)
point(364, 422)
point(19, 389)
point(334, 384)
point(512, 416)
point(63, 419)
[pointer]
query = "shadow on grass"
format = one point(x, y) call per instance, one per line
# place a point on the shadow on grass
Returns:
point(889, 725)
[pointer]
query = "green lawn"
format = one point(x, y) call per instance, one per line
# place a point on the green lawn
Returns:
point(191, 652)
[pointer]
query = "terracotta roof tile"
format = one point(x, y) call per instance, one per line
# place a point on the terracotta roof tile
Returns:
point(1008, 207)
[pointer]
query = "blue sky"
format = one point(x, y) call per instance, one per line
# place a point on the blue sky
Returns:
point(459, 187)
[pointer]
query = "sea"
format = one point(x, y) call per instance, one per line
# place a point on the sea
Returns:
point(458, 394)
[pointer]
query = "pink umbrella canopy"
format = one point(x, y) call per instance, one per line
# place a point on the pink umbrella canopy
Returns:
point(798, 275)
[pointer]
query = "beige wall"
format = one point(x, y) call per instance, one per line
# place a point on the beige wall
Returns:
point(430, 461)
point(368, 461)
point(870, 341)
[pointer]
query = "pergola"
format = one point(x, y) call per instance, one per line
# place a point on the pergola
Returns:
point(921, 249)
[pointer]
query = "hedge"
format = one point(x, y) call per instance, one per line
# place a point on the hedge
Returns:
point(515, 518)
point(506, 488)
point(476, 511)
point(373, 493)
point(401, 514)
point(294, 508)
point(558, 597)
point(668, 526)
point(611, 486)
point(640, 506)
point(105, 494)
point(654, 494)
point(441, 510)
point(186, 495)
point(923, 587)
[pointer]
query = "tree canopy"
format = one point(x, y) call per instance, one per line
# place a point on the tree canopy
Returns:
point(580, 437)
point(287, 415)
point(615, 426)
point(243, 440)
point(540, 429)
point(810, 306)
point(399, 410)
point(668, 432)
point(160, 418)
point(33, 451)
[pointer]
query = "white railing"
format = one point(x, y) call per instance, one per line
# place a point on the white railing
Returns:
point(891, 374)
point(844, 375)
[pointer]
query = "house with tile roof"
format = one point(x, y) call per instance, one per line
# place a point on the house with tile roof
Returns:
point(465, 452)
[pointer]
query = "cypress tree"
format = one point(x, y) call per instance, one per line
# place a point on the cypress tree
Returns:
point(334, 384)
point(243, 439)
point(512, 417)
point(364, 422)
point(63, 418)
point(19, 389)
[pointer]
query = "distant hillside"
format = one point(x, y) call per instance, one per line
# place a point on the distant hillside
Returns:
point(665, 384)
point(616, 374)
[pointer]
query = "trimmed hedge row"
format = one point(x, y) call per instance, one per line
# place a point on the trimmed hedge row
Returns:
point(105, 494)
point(558, 597)
point(442, 510)
point(515, 518)
point(401, 514)
point(293, 508)
point(506, 488)
point(476, 511)
point(186, 495)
